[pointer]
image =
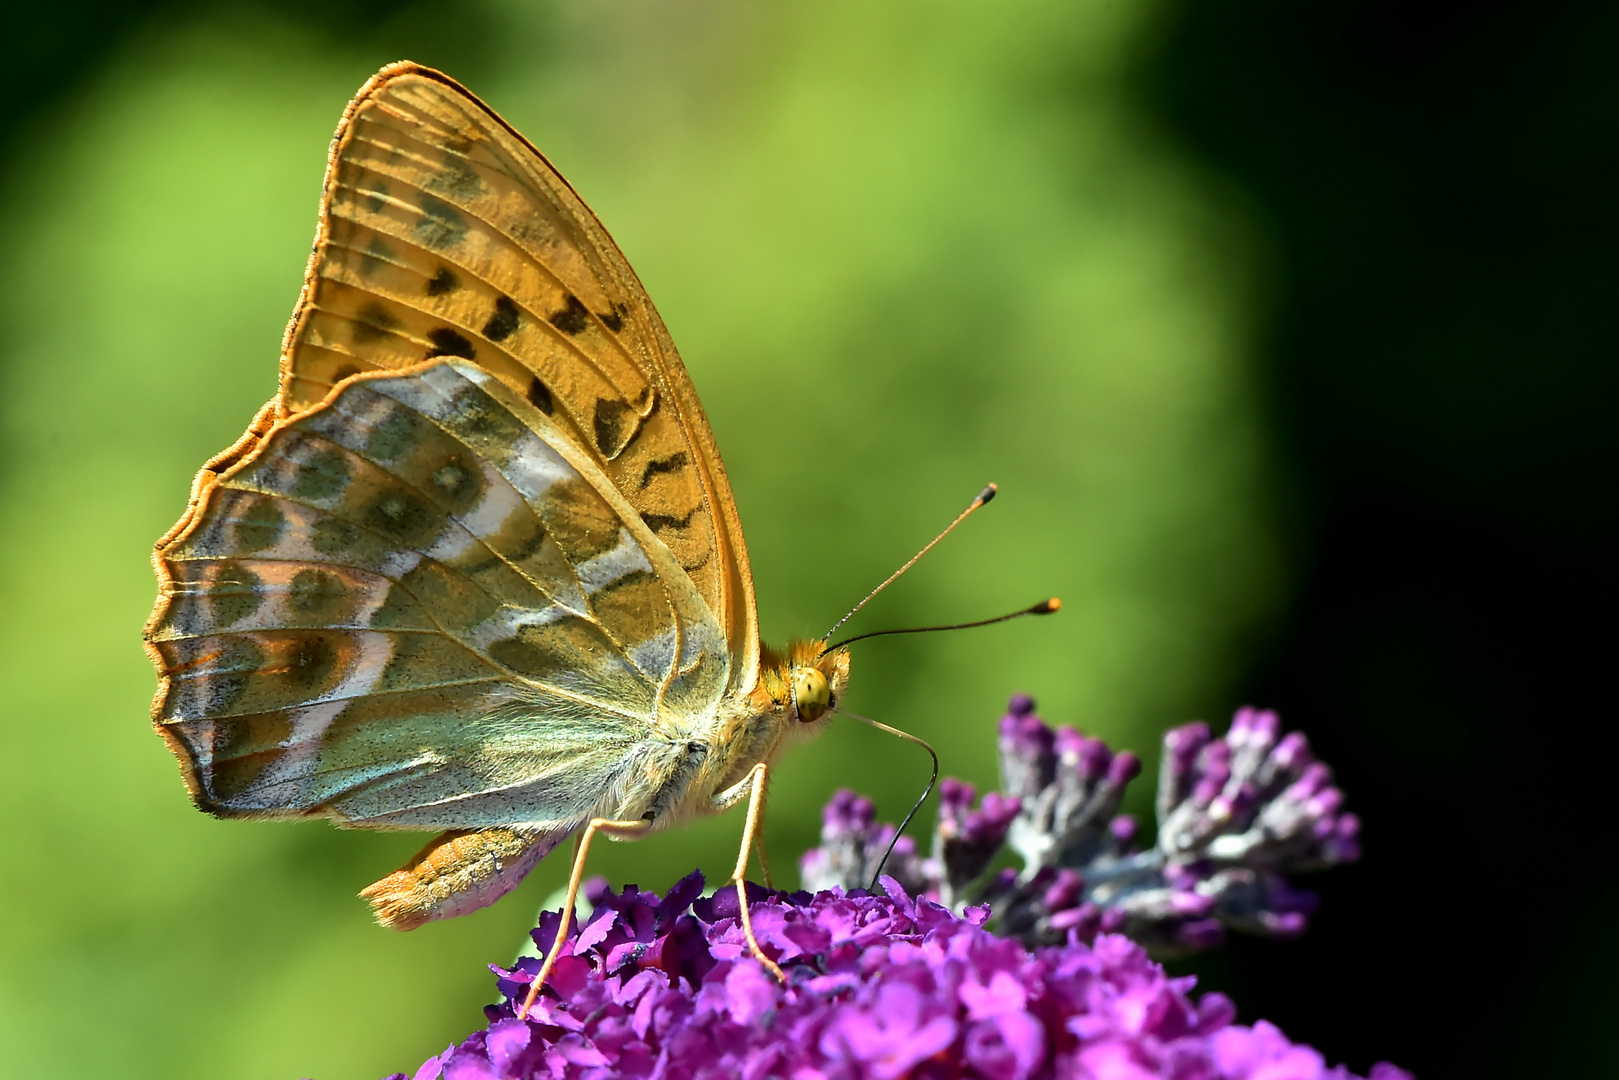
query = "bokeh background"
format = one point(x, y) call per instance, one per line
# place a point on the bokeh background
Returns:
point(1280, 325)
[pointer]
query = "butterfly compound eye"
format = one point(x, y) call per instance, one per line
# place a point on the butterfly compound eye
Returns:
point(811, 693)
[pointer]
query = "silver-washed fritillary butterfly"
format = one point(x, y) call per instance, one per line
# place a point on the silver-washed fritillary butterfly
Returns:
point(476, 568)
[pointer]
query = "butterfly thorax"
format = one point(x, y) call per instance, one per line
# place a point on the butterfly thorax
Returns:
point(791, 701)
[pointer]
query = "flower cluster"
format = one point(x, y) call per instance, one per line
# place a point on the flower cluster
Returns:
point(1235, 816)
point(879, 986)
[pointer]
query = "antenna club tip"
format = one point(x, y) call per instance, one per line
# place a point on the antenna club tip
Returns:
point(1048, 606)
point(987, 494)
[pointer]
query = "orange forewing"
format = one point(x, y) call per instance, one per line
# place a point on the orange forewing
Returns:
point(443, 232)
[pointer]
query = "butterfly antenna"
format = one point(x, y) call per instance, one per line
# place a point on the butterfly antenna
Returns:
point(1044, 607)
point(908, 737)
point(983, 497)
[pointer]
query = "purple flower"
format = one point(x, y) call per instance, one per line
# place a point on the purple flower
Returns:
point(880, 986)
point(1236, 815)
point(853, 845)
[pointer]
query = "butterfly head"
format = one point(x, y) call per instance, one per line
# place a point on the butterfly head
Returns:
point(808, 682)
point(812, 693)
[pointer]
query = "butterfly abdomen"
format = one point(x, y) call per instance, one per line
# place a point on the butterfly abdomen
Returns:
point(457, 873)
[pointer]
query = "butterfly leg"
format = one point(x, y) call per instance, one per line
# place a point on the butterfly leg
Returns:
point(615, 828)
point(754, 788)
point(764, 863)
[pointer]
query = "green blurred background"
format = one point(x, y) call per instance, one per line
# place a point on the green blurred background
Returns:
point(1278, 325)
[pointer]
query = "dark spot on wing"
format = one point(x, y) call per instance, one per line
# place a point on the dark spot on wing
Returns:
point(376, 254)
point(403, 518)
point(451, 477)
point(441, 225)
point(373, 321)
point(458, 177)
point(659, 522)
point(443, 282)
point(447, 342)
point(472, 568)
point(460, 483)
point(234, 594)
point(399, 609)
point(210, 535)
point(312, 661)
point(260, 527)
point(470, 412)
point(332, 535)
point(503, 322)
point(451, 592)
point(540, 397)
point(579, 519)
point(238, 660)
point(610, 426)
point(344, 372)
point(316, 592)
point(673, 463)
point(393, 436)
point(557, 648)
point(613, 320)
point(572, 318)
point(324, 475)
point(375, 198)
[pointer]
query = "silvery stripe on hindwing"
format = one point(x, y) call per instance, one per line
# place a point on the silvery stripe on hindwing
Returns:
point(220, 536)
point(597, 574)
point(284, 779)
point(281, 596)
point(625, 558)
point(354, 421)
point(453, 396)
point(656, 654)
point(440, 393)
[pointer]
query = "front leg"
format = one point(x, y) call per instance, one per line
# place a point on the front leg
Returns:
point(624, 830)
point(752, 786)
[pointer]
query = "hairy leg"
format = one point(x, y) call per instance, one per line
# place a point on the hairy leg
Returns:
point(755, 786)
point(615, 828)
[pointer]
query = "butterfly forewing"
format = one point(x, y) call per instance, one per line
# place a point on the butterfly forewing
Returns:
point(420, 605)
point(444, 233)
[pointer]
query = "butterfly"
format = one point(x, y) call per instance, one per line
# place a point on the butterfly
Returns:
point(476, 567)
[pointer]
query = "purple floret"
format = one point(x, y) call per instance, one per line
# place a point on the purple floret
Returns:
point(967, 838)
point(852, 847)
point(1236, 816)
point(879, 986)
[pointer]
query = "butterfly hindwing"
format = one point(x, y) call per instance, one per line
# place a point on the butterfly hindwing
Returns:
point(419, 605)
point(444, 233)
